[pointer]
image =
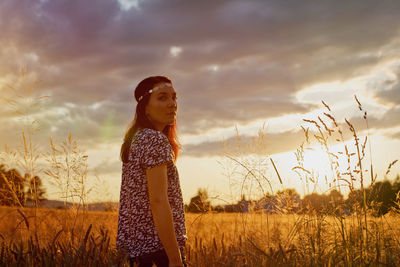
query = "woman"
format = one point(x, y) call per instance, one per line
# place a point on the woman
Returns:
point(151, 223)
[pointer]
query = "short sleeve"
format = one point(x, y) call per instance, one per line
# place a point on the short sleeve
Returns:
point(156, 149)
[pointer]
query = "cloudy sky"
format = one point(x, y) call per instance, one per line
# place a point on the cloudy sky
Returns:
point(234, 64)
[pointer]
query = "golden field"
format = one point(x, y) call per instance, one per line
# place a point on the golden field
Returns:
point(53, 237)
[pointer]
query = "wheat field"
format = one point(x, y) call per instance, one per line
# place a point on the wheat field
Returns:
point(49, 237)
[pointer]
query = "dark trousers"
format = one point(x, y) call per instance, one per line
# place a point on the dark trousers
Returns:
point(159, 258)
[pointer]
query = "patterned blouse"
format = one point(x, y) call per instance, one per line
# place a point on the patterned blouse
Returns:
point(136, 231)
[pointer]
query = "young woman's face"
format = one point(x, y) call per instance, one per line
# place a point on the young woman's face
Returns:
point(162, 107)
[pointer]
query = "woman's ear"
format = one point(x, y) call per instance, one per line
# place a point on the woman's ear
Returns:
point(147, 114)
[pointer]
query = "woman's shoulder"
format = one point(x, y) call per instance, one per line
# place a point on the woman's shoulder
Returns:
point(150, 135)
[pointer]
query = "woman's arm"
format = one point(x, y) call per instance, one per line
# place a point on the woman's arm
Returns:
point(162, 215)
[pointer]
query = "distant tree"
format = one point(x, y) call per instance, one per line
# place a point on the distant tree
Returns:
point(354, 200)
point(381, 197)
point(335, 196)
point(335, 202)
point(11, 187)
point(315, 203)
point(218, 208)
point(288, 200)
point(268, 203)
point(243, 205)
point(200, 202)
point(35, 192)
point(396, 184)
point(396, 190)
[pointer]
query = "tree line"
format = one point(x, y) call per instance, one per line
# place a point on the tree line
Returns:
point(381, 197)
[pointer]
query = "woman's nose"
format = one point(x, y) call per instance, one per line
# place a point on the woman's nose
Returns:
point(172, 103)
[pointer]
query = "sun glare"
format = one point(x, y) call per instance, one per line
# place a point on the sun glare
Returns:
point(321, 168)
point(317, 162)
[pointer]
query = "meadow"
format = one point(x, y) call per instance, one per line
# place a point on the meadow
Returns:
point(66, 238)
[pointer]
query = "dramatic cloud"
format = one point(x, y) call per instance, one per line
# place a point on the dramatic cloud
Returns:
point(389, 89)
point(290, 140)
point(233, 111)
point(231, 61)
point(269, 143)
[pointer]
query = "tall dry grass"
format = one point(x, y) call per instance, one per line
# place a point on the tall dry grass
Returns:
point(58, 238)
point(214, 239)
point(294, 240)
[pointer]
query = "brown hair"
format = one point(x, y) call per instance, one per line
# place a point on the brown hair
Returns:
point(140, 121)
